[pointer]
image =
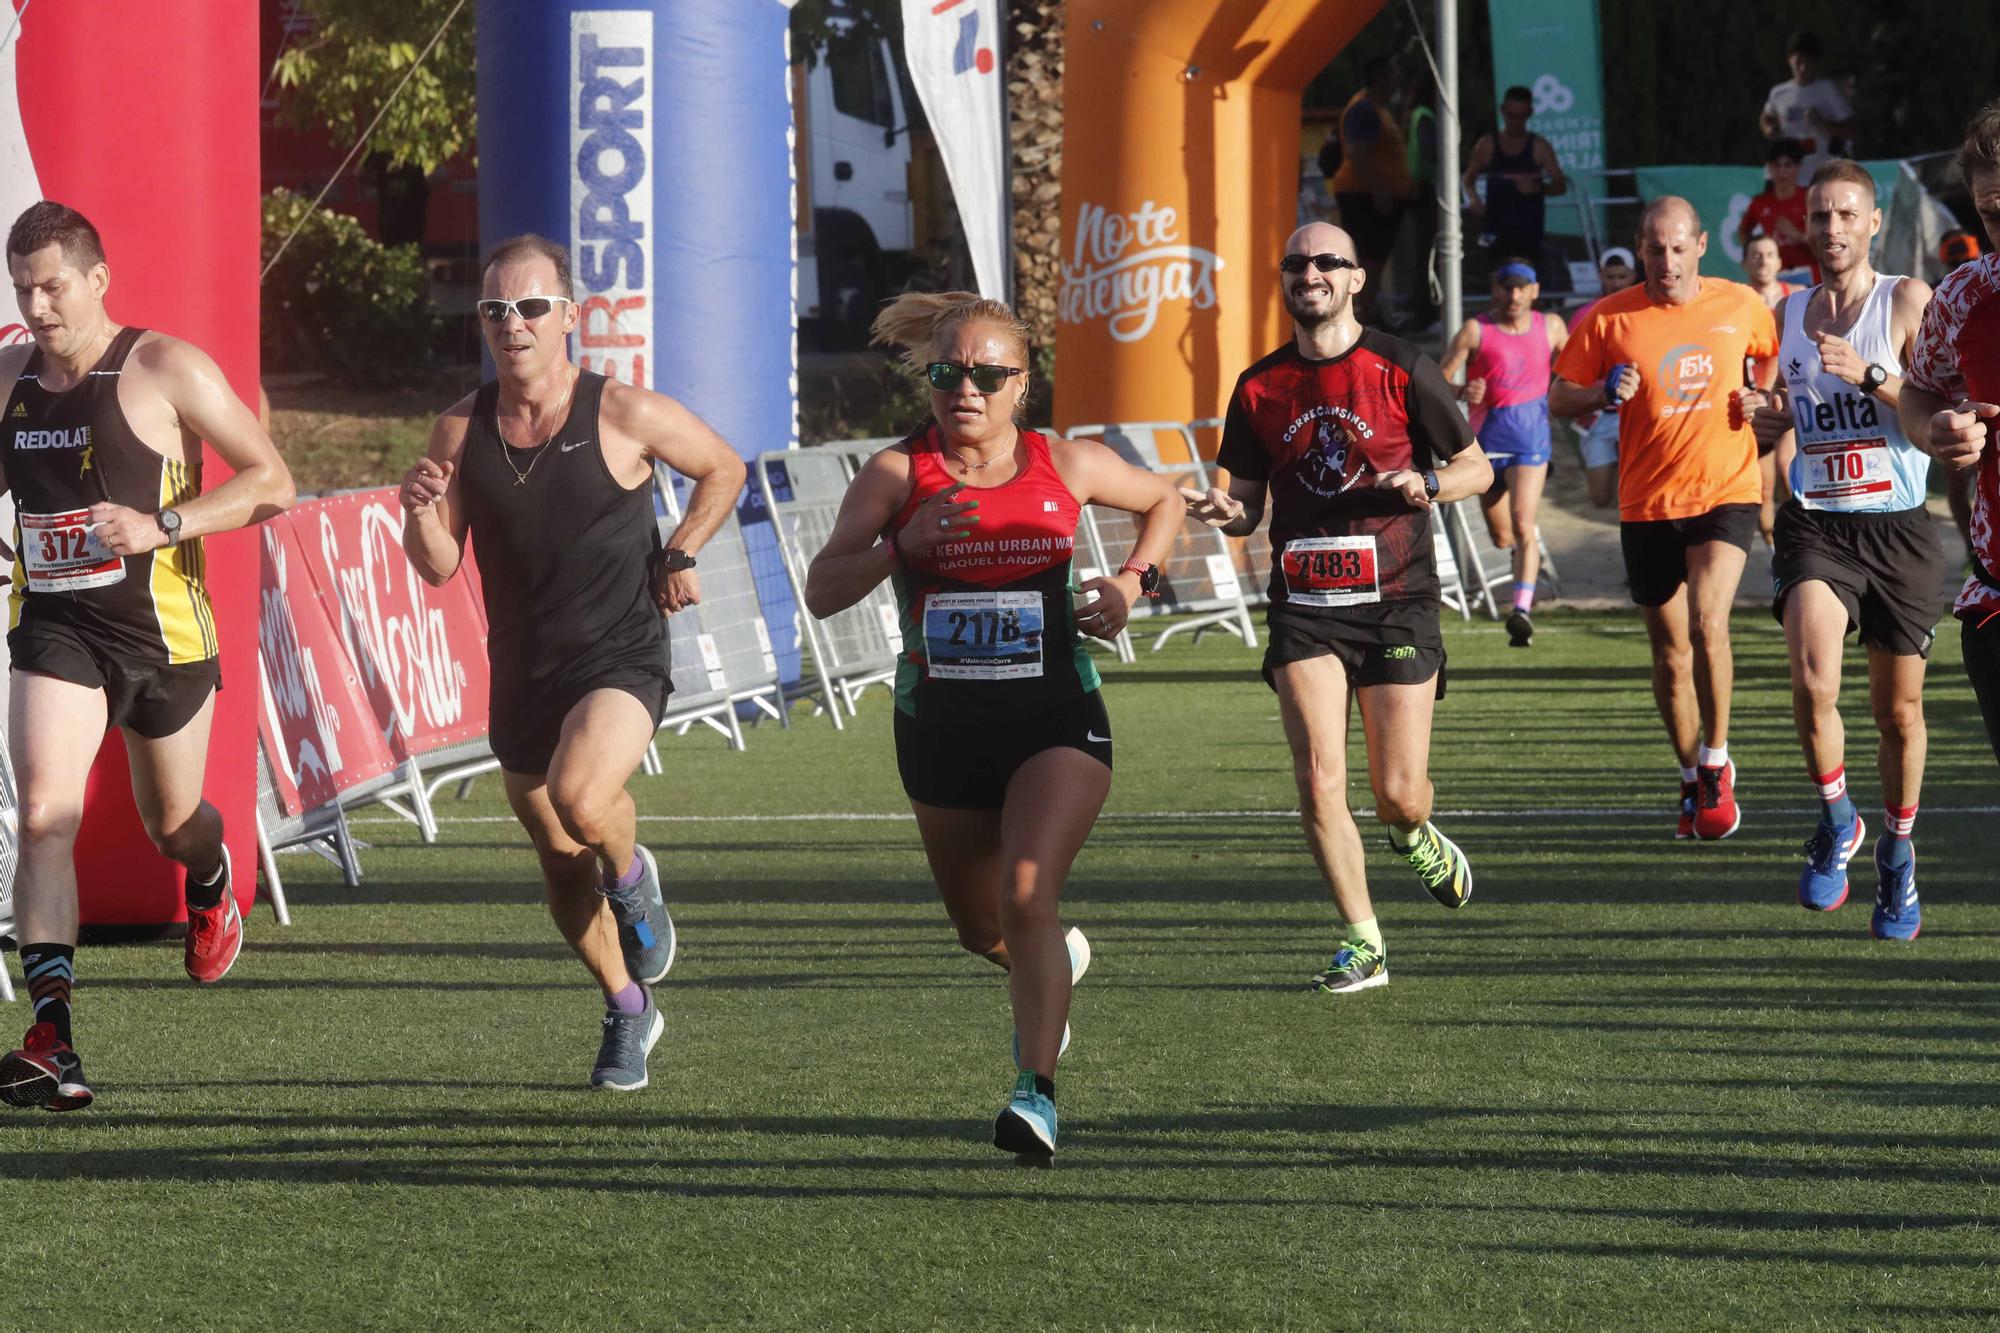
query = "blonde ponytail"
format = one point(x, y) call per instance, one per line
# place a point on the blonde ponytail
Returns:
point(916, 321)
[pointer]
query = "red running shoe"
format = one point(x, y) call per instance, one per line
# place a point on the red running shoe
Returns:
point(215, 934)
point(1715, 812)
point(45, 1072)
point(1689, 790)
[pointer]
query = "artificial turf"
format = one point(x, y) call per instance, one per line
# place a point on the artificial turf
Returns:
point(1632, 1085)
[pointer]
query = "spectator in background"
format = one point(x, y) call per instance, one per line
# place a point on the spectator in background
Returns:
point(1520, 171)
point(1372, 186)
point(1421, 133)
point(1780, 210)
point(1807, 107)
point(1760, 270)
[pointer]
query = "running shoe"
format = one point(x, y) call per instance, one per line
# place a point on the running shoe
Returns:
point(1358, 966)
point(214, 934)
point(1520, 629)
point(645, 931)
point(1689, 791)
point(45, 1072)
point(628, 1040)
point(1440, 865)
point(1027, 1124)
point(1898, 915)
point(1079, 963)
point(1823, 883)
point(1715, 811)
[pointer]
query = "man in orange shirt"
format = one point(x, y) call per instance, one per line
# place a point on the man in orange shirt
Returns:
point(1671, 353)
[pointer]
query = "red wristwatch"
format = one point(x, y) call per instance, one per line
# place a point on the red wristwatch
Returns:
point(1149, 576)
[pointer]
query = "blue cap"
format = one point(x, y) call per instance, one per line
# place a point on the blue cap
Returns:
point(1509, 275)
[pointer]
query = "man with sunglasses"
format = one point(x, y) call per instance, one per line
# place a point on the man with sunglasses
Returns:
point(549, 470)
point(1356, 437)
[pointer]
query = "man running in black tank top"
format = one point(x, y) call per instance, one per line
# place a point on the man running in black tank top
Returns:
point(111, 623)
point(549, 469)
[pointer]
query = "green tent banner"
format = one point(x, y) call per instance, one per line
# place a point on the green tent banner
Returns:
point(1721, 194)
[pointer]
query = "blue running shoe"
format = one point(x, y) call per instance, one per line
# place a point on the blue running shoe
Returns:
point(1823, 883)
point(1027, 1127)
point(645, 931)
point(1898, 915)
point(628, 1040)
point(1079, 963)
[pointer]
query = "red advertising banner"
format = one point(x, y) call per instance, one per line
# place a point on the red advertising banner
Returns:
point(316, 725)
point(420, 651)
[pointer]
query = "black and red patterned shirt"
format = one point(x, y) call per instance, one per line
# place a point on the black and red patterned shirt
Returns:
point(1957, 357)
point(1321, 433)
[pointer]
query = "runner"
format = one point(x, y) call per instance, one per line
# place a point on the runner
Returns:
point(1669, 353)
point(549, 470)
point(1356, 437)
point(1002, 738)
point(1855, 545)
point(1952, 399)
point(111, 622)
point(1760, 266)
point(1597, 438)
point(1505, 358)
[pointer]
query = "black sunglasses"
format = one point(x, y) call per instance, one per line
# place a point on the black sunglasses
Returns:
point(1324, 263)
point(529, 307)
point(945, 376)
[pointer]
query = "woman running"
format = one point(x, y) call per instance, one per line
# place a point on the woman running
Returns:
point(1002, 738)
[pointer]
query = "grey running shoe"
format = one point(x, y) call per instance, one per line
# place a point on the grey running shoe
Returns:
point(628, 1040)
point(1357, 966)
point(645, 931)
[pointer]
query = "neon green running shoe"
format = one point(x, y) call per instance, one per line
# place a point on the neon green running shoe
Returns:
point(1440, 865)
point(1358, 966)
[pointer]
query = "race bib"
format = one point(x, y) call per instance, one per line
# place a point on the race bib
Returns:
point(1331, 571)
point(1845, 474)
point(63, 553)
point(983, 635)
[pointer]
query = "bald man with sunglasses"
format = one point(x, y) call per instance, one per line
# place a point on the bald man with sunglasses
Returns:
point(549, 470)
point(1356, 437)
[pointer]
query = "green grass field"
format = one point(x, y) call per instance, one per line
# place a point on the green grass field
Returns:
point(1632, 1085)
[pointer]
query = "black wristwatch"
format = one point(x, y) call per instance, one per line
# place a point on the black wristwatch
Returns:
point(1430, 483)
point(1873, 378)
point(170, 523)
point(1149, 576)
point(674, 559)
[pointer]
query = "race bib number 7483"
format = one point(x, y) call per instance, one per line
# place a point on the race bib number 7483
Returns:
point(63, 553)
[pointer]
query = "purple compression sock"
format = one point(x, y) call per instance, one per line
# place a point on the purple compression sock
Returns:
point(631, 1000)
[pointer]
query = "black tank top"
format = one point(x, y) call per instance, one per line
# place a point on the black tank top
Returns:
point(1510, 214)
point(564, 556)
point(64, 452)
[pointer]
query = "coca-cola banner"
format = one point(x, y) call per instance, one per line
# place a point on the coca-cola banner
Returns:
point(316, 725)
point(420, 651)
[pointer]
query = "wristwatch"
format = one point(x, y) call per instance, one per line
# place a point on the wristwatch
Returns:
point(170, 523)
point(1873, 378)
point(674, 559)
point(1149, 576)
point(1430, 483)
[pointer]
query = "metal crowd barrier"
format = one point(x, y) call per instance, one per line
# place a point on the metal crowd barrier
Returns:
point(851, 649)
point(1477, 553)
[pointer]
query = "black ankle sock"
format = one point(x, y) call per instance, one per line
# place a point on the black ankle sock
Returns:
point(50, 970)
point(1045, 1086)
point(206, 892)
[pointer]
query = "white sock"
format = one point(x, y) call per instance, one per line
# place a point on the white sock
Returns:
point(1715, 758)
point(1687, 775)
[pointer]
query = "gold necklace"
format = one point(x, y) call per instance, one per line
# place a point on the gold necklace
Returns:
point(521, 475)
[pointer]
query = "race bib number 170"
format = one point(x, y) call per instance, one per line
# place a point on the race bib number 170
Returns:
point(63, 553)
point(1331, 571)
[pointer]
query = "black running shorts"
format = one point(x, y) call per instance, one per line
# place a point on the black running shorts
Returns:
point(966, 764)
point(1887, 570)
point(525, 721)
point(154, 699)
point(1981, 642)
point(1656, 550)
point(1405, 650)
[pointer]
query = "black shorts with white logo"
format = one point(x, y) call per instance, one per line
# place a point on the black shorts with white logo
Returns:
point(1395, 649)
point(1656, 549)
point(154, 699)
point(525, 719)
point(964, 764)
point(1887, 569)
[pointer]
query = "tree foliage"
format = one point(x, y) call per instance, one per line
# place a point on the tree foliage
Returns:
point(340, 71)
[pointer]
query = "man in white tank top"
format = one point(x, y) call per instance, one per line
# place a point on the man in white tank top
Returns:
point(1854, 546)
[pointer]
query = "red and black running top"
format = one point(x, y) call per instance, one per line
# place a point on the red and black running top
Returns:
point(1321, 433)
point(988, 626)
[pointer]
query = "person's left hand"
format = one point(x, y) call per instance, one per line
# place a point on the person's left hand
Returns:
point(1103, 617)
point(126, 531)
point(1841, 360)
point(1408, 484)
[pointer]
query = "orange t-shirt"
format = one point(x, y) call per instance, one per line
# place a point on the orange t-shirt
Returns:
point(1677, 456)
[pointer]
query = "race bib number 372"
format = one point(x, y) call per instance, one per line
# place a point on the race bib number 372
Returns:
point(983, 635)
point(1331, 571)
point(63, 553)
